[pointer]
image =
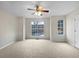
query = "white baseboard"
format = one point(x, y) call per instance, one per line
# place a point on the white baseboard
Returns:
point(7, 44)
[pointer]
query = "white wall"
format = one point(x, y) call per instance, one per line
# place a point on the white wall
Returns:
point(70, 26)
point(54, 34)
point(8, 28)
point(28, 28)
point(20, 28)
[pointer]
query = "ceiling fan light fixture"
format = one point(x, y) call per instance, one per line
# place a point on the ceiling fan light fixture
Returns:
point(38, 13)
point(40, 8)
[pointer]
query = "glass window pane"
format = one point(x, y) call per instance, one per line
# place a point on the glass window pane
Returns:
point(37, 28)
point(60, 27)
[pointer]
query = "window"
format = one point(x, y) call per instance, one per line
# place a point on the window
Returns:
point(60, 27)
point(37, 28)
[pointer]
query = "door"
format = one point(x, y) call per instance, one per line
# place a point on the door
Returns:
point(76, 32)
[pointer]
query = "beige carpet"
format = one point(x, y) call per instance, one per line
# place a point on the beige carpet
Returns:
point(40, 49)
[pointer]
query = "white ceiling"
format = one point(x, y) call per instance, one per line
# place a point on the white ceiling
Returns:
point(56, 8)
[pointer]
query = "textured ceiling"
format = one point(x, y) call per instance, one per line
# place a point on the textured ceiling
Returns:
point(56, 8)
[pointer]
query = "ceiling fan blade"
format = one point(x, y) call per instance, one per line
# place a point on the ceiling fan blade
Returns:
point(30, 9)
point(45, 10)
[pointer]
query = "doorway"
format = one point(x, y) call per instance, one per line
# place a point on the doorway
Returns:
point(76, 32)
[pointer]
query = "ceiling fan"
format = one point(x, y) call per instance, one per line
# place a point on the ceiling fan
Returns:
point(39, 10)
